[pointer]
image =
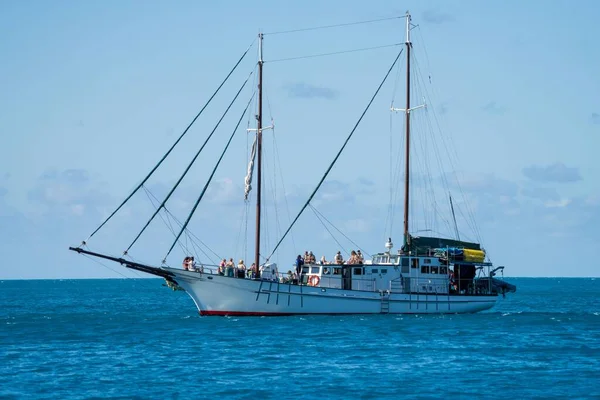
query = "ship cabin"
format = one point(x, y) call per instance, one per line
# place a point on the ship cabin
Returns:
point(432, 272)
point(384, 272)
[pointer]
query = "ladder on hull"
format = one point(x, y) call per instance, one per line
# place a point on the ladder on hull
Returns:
point(385, 303)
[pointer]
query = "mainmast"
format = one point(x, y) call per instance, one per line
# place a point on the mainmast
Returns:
point(259, 153)
point(407, 111)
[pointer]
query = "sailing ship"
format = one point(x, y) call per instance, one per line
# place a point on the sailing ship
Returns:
point(425, 275)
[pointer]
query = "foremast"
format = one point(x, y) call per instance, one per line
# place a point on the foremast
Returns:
point(259, 154)
point(407, 155)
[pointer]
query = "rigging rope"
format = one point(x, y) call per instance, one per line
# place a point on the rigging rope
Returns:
point(172, 147)
point(328, 231)
point(209, 179)
point(190, 164)
point(334, 26)
point(334, 53)
point(318, 213)
point(337, 155)
point(191, 234)
point(287, 206)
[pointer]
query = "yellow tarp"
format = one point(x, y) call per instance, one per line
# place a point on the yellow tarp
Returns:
point(474, 255)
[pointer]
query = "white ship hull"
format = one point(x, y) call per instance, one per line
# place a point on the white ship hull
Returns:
point(220, 295)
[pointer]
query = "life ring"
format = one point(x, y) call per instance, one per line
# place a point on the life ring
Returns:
point(313, 280)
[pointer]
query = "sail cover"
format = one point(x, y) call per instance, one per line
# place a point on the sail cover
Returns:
point(421, 244)
point(248, 180)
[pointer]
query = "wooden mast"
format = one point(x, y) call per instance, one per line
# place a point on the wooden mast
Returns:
point(407, 111)
point(259, 154)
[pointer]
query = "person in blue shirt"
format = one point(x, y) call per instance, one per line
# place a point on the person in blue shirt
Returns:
point(299, 264)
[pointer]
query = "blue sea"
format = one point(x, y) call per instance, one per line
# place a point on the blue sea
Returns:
point(137, 339)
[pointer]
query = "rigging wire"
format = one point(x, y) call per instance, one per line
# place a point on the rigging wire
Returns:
point(209, 179)
point(106, 266)
point(327, 229)
point(334, 53)
point(94, 259)
point(338, 154)
point(450, 146)
point(334, 26)
point(287, 206)
point(471, 221)
point(188, 232)
point(168, 221)
point(190, 164)
point(337, 229)
point(390, 212)
point(277, 167)
point(426, 189)
point(246, 206)
point(173, 146)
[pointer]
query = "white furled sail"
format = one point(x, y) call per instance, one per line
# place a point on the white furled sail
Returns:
point(248, 180)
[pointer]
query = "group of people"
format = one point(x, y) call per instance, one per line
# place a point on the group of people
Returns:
point(190, 265)
point(356, 257)
point(227, 268)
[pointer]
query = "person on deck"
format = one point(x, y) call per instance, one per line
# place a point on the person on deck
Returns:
point(312, 258)
point(306, 258)
point(299, 264)
point(229, 268)
point(323, 260)
point(241, 269)
point(353, 258)
point(338, 258)
point(221, 270)
point(191, 264)
point(361, 259)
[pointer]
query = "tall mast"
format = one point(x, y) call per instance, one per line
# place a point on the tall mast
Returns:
point(259, 153)
point(407, 111)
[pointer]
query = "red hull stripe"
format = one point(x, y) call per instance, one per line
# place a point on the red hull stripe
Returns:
point(243, 313)
point(262, 314)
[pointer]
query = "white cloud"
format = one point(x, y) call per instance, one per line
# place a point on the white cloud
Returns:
point(558, 204)
point(557, 172)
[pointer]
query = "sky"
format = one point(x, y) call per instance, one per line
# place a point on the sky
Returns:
point(94, 93)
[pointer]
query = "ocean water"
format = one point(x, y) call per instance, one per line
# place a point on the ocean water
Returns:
point(135, 338)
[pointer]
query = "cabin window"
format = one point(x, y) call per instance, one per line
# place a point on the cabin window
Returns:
point(443, 270)
point(305, 270)
point(415, 263)
point(357, 271)
point(337, 271)
point(427, 261)
point(384, 270)
point(434, 270)
point(393, 259)
point(326, 270)
point(314, 270)
point(375, 270)
point(405, 262)
point(424, 269)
